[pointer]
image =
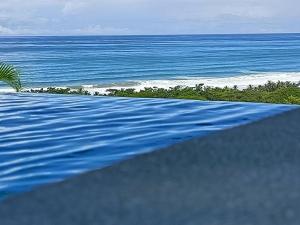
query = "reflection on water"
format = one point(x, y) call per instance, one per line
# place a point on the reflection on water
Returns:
point(46, 138)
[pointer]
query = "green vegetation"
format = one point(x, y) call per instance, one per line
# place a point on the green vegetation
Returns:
point(54, 90)
point(280, 92)
point(10, 75)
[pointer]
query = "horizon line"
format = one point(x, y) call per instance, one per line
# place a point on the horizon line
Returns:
point(183, 34)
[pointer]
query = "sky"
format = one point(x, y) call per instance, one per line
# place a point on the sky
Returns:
point(129, 17)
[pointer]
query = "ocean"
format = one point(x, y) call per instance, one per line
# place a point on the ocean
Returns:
point(101, 62)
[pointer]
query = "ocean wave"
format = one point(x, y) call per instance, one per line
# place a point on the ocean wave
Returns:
point(6, 90)
point(241, 81)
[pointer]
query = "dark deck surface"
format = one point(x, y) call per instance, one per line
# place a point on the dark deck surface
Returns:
point(242, 176)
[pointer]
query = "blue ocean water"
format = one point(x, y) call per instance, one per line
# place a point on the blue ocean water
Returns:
point(47, 138)
point(133, 60)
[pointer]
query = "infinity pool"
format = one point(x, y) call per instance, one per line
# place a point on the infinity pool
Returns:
point(47, 138)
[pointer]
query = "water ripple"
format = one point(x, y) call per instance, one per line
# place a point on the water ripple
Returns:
point(46, 138)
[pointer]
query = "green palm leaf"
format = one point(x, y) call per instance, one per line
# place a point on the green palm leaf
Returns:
point(10, 75)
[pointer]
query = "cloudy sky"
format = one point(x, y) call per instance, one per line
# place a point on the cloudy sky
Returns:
point(93, 17)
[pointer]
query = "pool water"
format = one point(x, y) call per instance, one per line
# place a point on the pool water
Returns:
point(47, 138)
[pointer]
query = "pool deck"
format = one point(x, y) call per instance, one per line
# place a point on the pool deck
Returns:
point(241, 176)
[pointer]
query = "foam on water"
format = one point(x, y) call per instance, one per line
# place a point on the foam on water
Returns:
point(6, 90)
point(47, 138)
point(240, 81)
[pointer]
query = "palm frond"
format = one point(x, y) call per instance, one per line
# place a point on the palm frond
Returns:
point(10, 75)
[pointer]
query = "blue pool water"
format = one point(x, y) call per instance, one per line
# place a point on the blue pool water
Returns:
point(47, 138)
point(138, 61)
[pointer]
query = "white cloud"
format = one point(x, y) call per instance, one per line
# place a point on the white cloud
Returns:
point(74, 7)
point(7, 31)
point(98, 30)
point(148, 16)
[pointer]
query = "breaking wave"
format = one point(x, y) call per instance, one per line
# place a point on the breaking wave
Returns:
point(240, 81)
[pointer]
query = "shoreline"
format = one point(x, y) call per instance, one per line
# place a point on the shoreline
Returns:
point(242, 81)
